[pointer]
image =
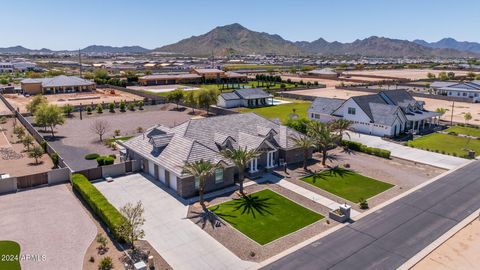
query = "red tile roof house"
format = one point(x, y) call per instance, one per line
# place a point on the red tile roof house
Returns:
point(162, 151)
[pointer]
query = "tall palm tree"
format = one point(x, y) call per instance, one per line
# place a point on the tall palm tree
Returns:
point(324, 137)
point(240, 157)
point(200, 169)
point(306, 143)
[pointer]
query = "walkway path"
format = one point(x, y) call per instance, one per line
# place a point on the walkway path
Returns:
point(390, 236)
point(409, 153)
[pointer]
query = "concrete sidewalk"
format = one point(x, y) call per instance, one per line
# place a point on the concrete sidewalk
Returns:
point(408, 153)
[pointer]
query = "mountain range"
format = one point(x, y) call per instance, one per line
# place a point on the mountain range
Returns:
point(236, 39)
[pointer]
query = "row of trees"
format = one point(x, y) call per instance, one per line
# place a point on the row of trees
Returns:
point(202, 98)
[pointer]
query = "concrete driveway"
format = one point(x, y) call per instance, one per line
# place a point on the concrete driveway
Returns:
point(47, 221)
point(179, 241)
point(409, 153)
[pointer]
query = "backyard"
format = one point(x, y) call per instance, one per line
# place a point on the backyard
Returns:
point(446, 144)
point(281, 111)
point(265, 215)
point(464, 130)
point(347, 184)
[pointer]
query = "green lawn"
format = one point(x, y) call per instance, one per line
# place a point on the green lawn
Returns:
point(280, 111)
point(265, 215)
point(447, 144)
point(123, 139)
point(347, 184)
point(9, 255)
point(464, 130)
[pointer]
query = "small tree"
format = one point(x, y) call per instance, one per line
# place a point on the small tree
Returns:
point(441, 111)
point(467, 116)
point(36, 102)
point(89, 109)
point(67, 110)
point(111, 107)
point(191, 100)
point(306, 144)
point(27, 141)
point(49, 115)
point(100, 127)
point(131, 230)
point(175, 96)
point(19, 130)
point(36, 153)
point(240, 157)
point(131, 106)
point(200, 169)
point(122, 106)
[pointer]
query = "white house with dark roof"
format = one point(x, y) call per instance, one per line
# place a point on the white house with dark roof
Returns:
point(250, 97)
point(385, 114)
point(162, 151)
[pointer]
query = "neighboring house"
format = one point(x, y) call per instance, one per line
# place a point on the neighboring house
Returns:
point(251, 97)
point(195, 76)
point(6, 67)
point(387, 113)
point(325, 73)
point(55, 85)
point(467, 90)
point(162, 151)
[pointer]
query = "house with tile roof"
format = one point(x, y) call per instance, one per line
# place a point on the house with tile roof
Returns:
point(249, 97)
point(55, 85)
point(386, 114)
point(162, 151)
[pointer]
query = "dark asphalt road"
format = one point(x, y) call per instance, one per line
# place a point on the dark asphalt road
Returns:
point(387, 238)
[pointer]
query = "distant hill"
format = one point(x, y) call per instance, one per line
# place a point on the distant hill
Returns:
point(450, 43)
point(20, 50)
point(233, 38)
point(114, 50)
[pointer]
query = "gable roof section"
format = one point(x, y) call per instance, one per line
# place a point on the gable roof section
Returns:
point(325, 105)
point(364, 103)
point(229, 96)
point(252, 93)
point(383, 114)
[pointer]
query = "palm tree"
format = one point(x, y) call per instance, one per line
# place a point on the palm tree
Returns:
point(200, 169)
point(324, 137)
point(304, 142)
point(240, 157)
point(340, 126)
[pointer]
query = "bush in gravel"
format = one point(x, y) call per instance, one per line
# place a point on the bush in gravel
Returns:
point(91, 156)
point(356, 146)
point(89, 109)
point(111, 107)
point(98, 203)
point(54, 157)
point(122, 106)
point(99, 108)
point(363, 204)
point(105, 264)
point(131, 106)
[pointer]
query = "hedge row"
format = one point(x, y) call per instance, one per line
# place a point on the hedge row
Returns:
point(99, 204)
point(356, 146)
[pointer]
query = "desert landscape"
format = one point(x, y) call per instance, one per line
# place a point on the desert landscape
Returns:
point(412, 74)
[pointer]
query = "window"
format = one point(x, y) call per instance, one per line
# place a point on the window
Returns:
point(197, 183)
point(218, 176)
point(351, 110)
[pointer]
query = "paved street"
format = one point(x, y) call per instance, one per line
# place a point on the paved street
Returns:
point(178, 240)
point(387, 238)
point(409, 153)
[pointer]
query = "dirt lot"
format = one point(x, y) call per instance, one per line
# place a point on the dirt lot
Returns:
point(430, 104)
point(75, 138)
point(14, 159)
point(327, 82)
point(100, 95)
point(412, 74)
point(459, 252)
point(3, 109)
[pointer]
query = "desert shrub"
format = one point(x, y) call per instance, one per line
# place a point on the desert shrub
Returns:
point(3, 120)
point(112, 156)
point(99, 108)
point(111, 107)
point(105, 160)
point(116, 132)
point(140, 105)
point(131, 106)
point(54, 157)
point(43, 144)
point(122, 106)
point(106, 263)
point(363, 204)
point(89, 109)
point(91, 156)
point(98, 203)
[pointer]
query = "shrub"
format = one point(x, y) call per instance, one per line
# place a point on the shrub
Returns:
point(54, 157)
point(43, 144)
point(122, 106)
point(99, 108)
point(116, 132)
point(356, 146)
point(98, 203)
point(105, 160)
point(112, 156)
point(3, 120)
point(363, 204)
point(91, 156)
point(100, 160)
point(111, 107)
point(131, 106)
point(453, 133)
point(105, 264)
point(89, 109)
point(140, 105)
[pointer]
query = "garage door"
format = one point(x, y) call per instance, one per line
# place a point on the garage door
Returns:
point(151, 168)
point(161, 174)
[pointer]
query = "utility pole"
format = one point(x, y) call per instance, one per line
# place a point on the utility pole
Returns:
point(80, 62)
point(451, 116)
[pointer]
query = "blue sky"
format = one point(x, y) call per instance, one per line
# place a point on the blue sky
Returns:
point(75, 24)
